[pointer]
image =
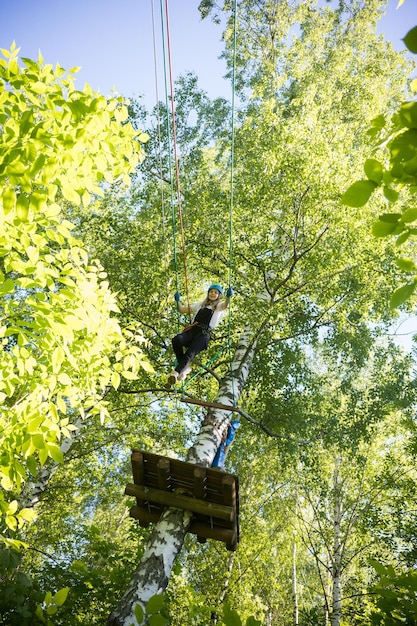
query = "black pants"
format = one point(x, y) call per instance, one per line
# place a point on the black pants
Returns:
point(195, 342)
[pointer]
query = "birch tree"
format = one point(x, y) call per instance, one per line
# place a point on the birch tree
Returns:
point(304, 267)
point(62, 344)
point(288, 218)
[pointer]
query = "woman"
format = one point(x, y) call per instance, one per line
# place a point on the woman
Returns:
point(195, 337)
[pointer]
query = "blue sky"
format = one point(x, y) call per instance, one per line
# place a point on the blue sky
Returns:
point(113, 42)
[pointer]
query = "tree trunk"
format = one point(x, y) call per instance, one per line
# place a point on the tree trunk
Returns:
point(223, 592)
point(153, 572)
point(32, 491)
point(294, 579)
point(337, 547)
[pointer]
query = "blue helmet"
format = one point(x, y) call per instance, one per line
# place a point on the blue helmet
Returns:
point(214, 286)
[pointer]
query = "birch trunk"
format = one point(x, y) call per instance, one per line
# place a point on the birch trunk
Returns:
point(337, 548)
point(294, 579)
point(32, 491)
point(164, 545)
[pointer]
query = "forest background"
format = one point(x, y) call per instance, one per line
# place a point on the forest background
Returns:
point(325, 453)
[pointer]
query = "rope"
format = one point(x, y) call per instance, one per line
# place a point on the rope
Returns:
point(174, 130)
point(168, 133)
point(159, 132)
point(232, 159)
point(167, 55)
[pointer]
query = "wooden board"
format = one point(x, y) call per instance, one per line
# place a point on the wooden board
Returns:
point(210, 494)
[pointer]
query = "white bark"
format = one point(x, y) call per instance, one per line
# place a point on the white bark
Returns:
point(294, 579)
point(33, 490)
point(337, 548)
point(153, 572)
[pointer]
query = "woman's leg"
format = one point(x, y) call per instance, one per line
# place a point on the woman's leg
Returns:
point(198, 343)
point(179, 342)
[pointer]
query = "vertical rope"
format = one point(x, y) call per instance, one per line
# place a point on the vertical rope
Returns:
point(159, 132)
point(168, 132)
point(232, 159)
point(174, 130)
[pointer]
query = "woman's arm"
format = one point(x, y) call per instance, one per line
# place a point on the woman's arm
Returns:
point(223, 305)
point(183, 308)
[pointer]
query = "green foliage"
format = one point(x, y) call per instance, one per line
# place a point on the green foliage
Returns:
point(62, 347)
point(157, 614)
point(306, 272)
point(410, 40)
point(396, 597)
point(396, 179)
point(22, 603)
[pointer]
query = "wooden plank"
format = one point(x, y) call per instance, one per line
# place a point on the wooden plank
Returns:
point(201, 529)
point(163, 471)
point(168, 498)
point(229, 490)
point(210, 494)
point(138, 470)
point(213, 405)
point(200, 483)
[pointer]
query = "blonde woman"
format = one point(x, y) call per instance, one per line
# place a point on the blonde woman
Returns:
point(195, 337)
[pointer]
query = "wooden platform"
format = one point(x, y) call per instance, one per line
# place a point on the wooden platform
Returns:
point(211, 495)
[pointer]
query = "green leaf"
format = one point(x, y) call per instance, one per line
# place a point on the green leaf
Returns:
point(409, 215)
point(8, 199)
point(402, 238)
point(70, 194)
point(55, 452)
point(401, 295)
point(230, 617)
point(392, 218)
point(139, 614)
point(373, 170)
point(7, 286)
point(378, 567)
point(38, 441)
point(129, 375)
point(155, 603)
point(408, 114)
point(43, 456)
point(22, 207)
point(359, 193)
point(64, 379)
point(383, 229)
point(390, 194)
point(48, 598)
point(115, 379)
point(32, 465)
point(60, 596)
point(404, 146)
point(397, 171)
point(378, 122)
point(410, 40)
point(11, 522)
point(407, 265)
point(51, 609)
point(251, 621)
point(158, 620)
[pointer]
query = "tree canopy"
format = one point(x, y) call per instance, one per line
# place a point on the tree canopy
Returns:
point(325, 451)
